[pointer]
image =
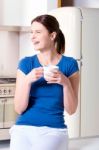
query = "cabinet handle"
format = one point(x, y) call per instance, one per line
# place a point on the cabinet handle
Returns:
point(5, 100)
point(2, 101)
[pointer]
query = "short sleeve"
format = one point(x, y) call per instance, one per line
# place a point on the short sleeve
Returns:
point(23, 65)
point(73, 67)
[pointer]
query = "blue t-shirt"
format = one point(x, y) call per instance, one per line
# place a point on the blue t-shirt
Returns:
point(45, 106)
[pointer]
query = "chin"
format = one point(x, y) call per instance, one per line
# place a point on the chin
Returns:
point(36, 48)
point(39, 49)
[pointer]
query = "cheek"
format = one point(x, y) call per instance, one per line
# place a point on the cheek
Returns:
point(46, 40)
point(47, 43)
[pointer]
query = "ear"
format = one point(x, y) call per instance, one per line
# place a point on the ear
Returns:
point(53, 36)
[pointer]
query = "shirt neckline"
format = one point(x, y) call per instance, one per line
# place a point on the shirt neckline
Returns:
point(52, 64)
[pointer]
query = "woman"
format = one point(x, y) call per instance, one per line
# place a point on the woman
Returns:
point(41, 102)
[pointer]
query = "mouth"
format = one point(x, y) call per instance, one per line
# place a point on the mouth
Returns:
point(36, 43)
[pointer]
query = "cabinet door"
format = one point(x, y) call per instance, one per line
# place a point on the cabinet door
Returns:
point(1, 112)
point(9, 54)
point(10, 12)
point(9, 113)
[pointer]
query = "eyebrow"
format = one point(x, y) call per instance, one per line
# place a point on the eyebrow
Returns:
point(35, 30)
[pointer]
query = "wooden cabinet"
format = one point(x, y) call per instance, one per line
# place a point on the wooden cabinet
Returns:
point(1, 112)
point(7, 113)
point(7, 117)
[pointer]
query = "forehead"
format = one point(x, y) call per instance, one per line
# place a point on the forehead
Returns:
point(37, 26)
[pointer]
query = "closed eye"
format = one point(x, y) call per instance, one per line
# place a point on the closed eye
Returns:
point(38, 31)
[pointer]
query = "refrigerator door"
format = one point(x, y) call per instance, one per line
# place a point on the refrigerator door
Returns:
point(90, 73)
point(70, 23)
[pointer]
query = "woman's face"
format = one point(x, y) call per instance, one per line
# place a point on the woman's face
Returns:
point(41, 38)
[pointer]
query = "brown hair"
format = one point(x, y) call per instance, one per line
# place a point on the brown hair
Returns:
point(52, 25)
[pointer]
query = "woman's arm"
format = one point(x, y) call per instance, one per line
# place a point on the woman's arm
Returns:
point(21, 93)
point(70, 90)
point(23, 86)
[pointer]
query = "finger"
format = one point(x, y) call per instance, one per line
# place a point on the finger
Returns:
point(39, 71)
point(53, 75)
point(40, 68)
point(54, 80)
point(37, 77)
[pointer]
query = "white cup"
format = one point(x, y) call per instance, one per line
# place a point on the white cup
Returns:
point(48, 70)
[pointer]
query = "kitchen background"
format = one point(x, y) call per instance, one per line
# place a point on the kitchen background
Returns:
point(15, 43)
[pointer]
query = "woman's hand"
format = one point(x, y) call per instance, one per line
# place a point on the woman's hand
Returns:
point(57, 77)
point(34, 75)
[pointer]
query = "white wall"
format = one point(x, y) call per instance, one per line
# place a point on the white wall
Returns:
point(87, 3)
point(25, 45)
point(21, 12)
point(33, 8)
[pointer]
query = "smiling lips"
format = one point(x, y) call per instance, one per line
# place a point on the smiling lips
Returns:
point(35, 43)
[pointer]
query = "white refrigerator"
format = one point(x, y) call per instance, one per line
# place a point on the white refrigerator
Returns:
point(81, 29)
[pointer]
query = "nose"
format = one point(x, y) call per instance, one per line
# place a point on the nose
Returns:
point(33, 35)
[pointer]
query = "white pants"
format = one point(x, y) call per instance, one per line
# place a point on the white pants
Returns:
point(38, 138)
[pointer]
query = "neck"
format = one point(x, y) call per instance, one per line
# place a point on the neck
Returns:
point(48, 57)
